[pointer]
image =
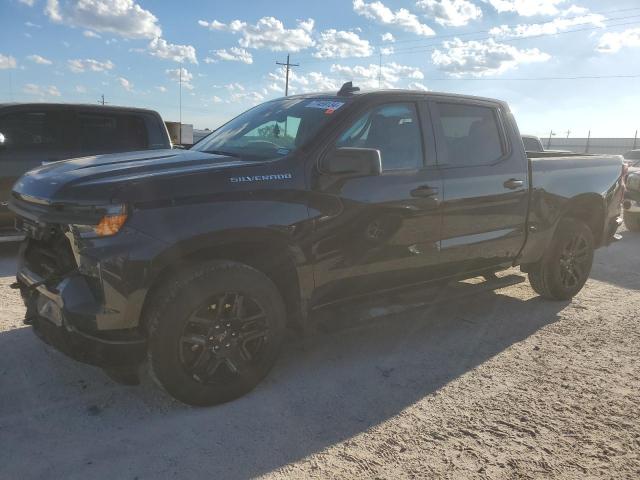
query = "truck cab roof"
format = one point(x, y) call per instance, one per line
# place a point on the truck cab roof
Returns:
point(394, 94)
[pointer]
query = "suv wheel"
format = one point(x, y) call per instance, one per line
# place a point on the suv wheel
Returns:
point(566, 265)
point(215, 333)
point(632, 221)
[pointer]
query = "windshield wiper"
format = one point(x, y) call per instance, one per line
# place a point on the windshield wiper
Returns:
point(220, 152)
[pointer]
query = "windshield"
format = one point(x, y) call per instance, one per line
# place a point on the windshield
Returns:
point(273, 129)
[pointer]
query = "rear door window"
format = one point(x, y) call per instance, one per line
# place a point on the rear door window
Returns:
point(106, 132)
point(470, 135)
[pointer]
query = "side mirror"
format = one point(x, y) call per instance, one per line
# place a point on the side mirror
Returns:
point(353, 161)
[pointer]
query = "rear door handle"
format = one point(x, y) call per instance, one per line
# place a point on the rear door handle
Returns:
point(513, 183)
point(424, 191)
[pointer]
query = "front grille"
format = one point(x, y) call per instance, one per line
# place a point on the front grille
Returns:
point(51, 257)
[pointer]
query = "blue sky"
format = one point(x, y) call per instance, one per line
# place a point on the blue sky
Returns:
point(521, 51)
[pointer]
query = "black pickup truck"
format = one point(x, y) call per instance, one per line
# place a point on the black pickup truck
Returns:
point(198, 260)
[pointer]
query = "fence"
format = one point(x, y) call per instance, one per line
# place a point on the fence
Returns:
point(616, 146)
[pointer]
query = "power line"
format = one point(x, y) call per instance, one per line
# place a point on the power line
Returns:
point(426, 47)
point(288, 66)
point(515, 25)
point(516, 79)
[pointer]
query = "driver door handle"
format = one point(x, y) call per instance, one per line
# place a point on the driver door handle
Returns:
point(513, 183)
point(424, 191)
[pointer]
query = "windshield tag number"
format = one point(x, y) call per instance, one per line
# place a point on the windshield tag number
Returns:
point(325, 105)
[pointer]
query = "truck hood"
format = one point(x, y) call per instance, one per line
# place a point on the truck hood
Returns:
point(100, 177)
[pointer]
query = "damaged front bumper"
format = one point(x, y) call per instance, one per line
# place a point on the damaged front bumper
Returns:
point(62, 317)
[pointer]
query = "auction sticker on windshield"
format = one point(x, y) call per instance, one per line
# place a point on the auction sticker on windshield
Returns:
point(324, 104)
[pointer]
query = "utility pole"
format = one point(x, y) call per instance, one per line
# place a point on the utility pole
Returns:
point(568, 132)
point(180, 107)
point(586, 150)
point(380, 71)
point(635, 140)
point(288, 65)
point(551, 134)
point(101, 101)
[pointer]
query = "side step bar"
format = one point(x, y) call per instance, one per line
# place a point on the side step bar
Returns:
point(331, 318)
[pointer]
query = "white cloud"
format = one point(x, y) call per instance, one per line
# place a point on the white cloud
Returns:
point(298, 83)
point(90, 65)
point(386, 51)
point(81, 89)
point(527, 8)
point(613, 42)
point(121, 17)
point(32, 25)
point(90, 34)
point(452, 13)
point(417, 86)
point(28, 3)
point(216, 99)
point(558, 24)
point(268, 32)
point(187, 77)
point(234, 54)
point(482, 58)
point(372, 76)
point(159, 47)
point(7, 61)
point(232, 87)
point(401, 18)
point(161, 89)
point(252, 97)
point(39, 60)
point(340, 44)
point(214, 24)
point(388, 37)
point(126, 84)
point(41, 91)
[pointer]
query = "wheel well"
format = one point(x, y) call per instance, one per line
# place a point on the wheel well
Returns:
point(590, 210)
point(270, 258)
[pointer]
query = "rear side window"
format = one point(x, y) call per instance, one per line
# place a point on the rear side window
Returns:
point(470, 135)
point(104, 132)
point(31, 130)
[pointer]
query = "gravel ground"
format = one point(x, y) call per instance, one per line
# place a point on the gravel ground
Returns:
point(492, 385)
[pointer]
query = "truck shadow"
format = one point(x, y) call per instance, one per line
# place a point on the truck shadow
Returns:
point(611, 264)
point(325, 389)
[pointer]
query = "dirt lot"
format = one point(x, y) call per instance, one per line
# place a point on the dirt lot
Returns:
point(495, 385)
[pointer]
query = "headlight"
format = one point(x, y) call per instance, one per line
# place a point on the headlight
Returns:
point(633, 181)
point(110, 224)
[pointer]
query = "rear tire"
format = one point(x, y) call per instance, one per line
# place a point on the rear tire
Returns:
point(565, 267)
point(632, 221)
point(215, 332)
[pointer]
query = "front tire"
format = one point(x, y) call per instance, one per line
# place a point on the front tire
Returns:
point(565, 267)
point(632, 221)
point(215, 332)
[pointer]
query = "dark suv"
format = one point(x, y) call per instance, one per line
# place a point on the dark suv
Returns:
point(32, 134)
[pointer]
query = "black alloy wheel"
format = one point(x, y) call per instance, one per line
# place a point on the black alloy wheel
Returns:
point(575, 263)
point(223, 337)
point(215, 331)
